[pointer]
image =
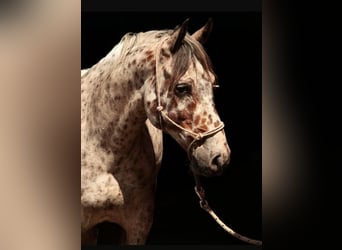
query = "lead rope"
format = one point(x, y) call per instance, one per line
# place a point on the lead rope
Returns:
point(205, 206)
point(197, 137)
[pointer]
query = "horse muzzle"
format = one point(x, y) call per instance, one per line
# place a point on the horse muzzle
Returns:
point(209, 156)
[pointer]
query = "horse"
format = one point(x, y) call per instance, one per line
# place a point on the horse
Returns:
point(150, 83)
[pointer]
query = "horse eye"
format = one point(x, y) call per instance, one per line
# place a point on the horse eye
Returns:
point(182, 89)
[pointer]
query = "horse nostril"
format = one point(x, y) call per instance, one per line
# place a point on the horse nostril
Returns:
point(217, 162)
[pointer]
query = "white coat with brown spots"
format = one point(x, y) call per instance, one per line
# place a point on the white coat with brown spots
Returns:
point(121, 140)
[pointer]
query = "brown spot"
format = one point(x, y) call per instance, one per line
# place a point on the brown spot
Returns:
point(203, 120)
point(187, 124)
point(205, 113)
point(107, 87)
point(149, 52)
point(173, 116)
point(201, 129)
point(152, 63)
point(216, 123)
point(210, 120)
point(173, 103)
point(197, 119)
point(204, 127)
point(167, 82)
point(184, 115)
point(153, 107)
point(149, 58)
point(134, 62)
point(191, 106)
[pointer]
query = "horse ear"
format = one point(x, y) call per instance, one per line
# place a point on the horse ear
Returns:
point(178, 35)
point(203, 33)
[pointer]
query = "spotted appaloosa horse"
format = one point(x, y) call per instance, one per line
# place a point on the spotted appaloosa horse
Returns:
point(148, 83)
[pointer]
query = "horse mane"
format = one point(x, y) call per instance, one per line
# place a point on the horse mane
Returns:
point(127, 41)
point(188, 52)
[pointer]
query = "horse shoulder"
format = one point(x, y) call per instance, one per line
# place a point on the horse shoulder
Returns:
point(98, 186)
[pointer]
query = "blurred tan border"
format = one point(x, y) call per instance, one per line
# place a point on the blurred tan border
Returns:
point(39, 128)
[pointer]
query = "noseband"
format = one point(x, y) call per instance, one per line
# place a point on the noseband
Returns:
point(197, 137)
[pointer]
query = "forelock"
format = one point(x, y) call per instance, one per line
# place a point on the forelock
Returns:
point(189, 51)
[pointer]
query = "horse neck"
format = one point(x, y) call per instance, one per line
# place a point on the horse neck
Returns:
point(112, 96)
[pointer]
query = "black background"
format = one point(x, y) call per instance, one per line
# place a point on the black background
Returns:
point(235, 50)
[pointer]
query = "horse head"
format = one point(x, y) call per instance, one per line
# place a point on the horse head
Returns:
point(179, 99)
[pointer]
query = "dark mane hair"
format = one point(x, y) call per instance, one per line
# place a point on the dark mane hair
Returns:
point(188, 52)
